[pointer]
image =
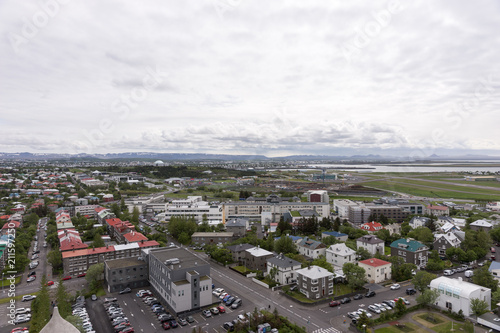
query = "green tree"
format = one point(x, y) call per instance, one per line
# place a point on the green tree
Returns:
point(422, 280)
point(97, 241)
point(40, 308)
point(115, 209)
point(184, 238)
point(428, 297)
point(135, 215)
point(285, 245)
point(422, 234)
point(77, 322)
point(363, 320)
point(55, 259)
point(94, 276)
point(330, 240)
point(321, 262)
point(355, 275)
point(62, 298)
point(383, 234)
point(363, 253)
point(484, 278)
point(400, 307)
point(478, 306)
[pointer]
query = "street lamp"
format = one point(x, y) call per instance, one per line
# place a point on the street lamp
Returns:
point(364, 328)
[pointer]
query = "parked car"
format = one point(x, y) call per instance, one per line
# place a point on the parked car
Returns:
point(236, 303)
point(370, 293)
point(221, 309)
point(369, 315)
point(67, 277)
point(125, 291)
point(82, 275)
point(229, 326)
point(31, 278)
point(374, 309)
point(214, 311)
point(32, 273)
point(358, 296)
point(405, 301)
point(410, 291)
point(182, 321)
point(165, 325)
point(190, 319)
point(390, 303)
point(334, 303)
point(206, 313)
point(50, 283)
point(395, 286)
point(345, 300)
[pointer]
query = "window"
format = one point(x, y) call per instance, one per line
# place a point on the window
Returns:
point(314, 289)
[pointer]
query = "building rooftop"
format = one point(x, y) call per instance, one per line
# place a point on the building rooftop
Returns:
point(187, 259)
point(124, 262)
point(374, 262)
point(370, 239)
point(213, 234)
point(314, 272)
point(481, 223)
point(409, 245)
point(258, 252)
point(341, 249)
point(58, 324)
point(283, 261)
point(334, 233)
point(455, 286)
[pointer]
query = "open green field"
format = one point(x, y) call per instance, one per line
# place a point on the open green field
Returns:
point(408, 328)
point(425, 189)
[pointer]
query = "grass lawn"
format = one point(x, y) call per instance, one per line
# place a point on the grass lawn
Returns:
point(17, 297)
point(242, 269)
point(409, 327)
point(429, 320)
point(6, 283)
point(341, 289)
point(446, 328)
point(301, 297)
point(387, 250)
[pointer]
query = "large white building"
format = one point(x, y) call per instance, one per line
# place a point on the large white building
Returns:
point(341, 207)
point(195, 207)
point(339, 254)
point(456, 294)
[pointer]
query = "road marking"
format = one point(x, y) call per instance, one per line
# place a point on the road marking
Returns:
point(153, 326)
point(124, 303)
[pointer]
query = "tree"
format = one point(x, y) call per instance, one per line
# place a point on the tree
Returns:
point(135, 215)
point(97, 241)
point(363, 253)
point(273, 273)
point(330, 240)
point(184, 238)
point(55, 259)
point(422, 234)
point(77, 322)
point(40, 308)
point(63, 300)
point(428, 297)
point(355, 275)
point(383, 234)
point(363, 320)
point(478, 306)
point(321, 262)
point(94, 275)
point(422, 280)
point(285, 245)
point(484, 278)
point(336, 224)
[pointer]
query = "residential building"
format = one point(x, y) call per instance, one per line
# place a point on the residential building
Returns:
point(89, 210)
point(238, 226)
point(315, 282)
point(371, 243)
point(371, 227)
point(296, 217)
point(442, 242)
point(338, 235)
point(419, 221)
point(393, 228)
point(456, 294)
point(212, 237)
point(76, 262)
point(437, 210)
point(69, 239)
point(125, 273)
point(256, 258)
point(376, 270)
point(411, 250)
point(180, 279)
point(494, 269)
point(134, 237)
point(311, 248)
point(339, 254)
point(481, 225)
point(286, 269)
point(238, 252)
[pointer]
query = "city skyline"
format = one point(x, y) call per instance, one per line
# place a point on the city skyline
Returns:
point(250, 77)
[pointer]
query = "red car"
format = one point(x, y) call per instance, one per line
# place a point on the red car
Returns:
point(334, 303)
point(19, 329)
point(82, 275)
point(165, 325)
point(221, 309)
point(67, 277)
point(50, 283)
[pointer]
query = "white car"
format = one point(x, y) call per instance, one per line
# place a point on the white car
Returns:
point(374, 308)
point(217, 292)
point(369, 315)
point(28, 298)
point(23, 310)
point(380, 306)
point(395, 286)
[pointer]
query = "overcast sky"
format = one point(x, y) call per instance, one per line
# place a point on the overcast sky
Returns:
point(250, 77)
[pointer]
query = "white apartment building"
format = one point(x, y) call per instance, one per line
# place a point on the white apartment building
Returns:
point(341, 207)
point(339, 254)
point(195, 207)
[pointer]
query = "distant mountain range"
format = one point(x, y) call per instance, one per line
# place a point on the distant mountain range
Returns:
point(151, 156)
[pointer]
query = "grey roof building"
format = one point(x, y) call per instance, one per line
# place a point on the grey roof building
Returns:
point(286, 269)
point(238, 251)
point(59, 324)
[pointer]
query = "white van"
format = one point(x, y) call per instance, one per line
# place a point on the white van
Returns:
point(447, 272)
point(469, 273)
